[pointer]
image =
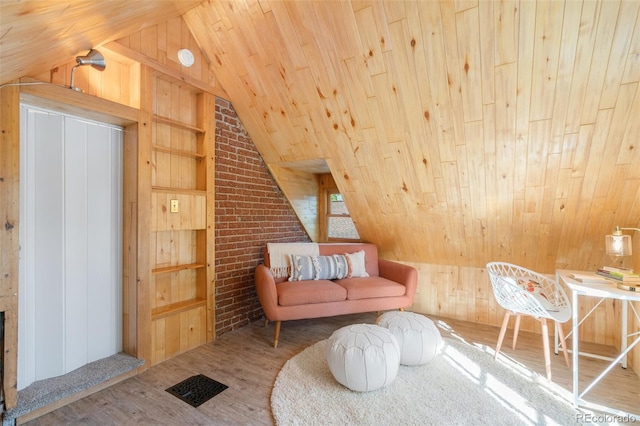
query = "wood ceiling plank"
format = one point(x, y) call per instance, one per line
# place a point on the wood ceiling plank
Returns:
point(601, 51)
point(370, 40)
point(437, 74)
point(454, 70)
point(547, 33)
point(621, 43)
point(525, 98)
point(566, 64)
point(487, 37)
point(469, 56)
point(506, 19)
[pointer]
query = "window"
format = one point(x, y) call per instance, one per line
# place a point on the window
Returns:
point(340, 226)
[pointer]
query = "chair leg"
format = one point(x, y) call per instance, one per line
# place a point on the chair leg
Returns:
point(276, 334)
point(515, 331)
point(563, 343)
point(266, 322)
point(503, 330)
point(545, 345)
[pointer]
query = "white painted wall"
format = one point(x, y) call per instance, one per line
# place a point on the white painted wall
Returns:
point(70, 292)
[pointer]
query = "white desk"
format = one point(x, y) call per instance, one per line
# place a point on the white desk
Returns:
point(602, 291)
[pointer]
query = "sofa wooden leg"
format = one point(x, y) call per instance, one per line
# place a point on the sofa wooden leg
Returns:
point(276, 334)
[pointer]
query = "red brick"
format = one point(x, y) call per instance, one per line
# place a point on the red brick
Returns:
point(250, 212)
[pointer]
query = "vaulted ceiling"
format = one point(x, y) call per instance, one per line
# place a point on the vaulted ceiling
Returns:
point(459, 131)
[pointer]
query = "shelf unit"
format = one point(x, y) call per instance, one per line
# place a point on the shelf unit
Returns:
point(181, 242)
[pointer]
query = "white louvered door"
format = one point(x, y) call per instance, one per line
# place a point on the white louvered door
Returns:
point(70, 293)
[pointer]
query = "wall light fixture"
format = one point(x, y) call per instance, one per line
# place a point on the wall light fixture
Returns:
point(93, 58)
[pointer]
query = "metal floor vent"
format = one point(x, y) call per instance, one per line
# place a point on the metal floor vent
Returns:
point(196, 389)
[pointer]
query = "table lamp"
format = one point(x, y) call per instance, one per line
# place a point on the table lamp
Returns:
point(618, 244)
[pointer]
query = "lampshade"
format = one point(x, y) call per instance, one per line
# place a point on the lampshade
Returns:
point(618, 244)
point(94, 58)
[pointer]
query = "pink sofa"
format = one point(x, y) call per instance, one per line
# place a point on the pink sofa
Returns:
point(390, 285)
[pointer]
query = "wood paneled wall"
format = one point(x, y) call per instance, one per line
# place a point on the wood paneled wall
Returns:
point(160, 43)
point(119, 82)
point(166, 158)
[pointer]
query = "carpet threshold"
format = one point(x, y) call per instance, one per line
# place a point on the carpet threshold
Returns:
point(44, 392)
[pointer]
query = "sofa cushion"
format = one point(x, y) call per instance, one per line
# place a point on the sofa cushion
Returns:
point(302, 268)
point(370, 256)
point(366, 288)
point(331, 267)
point(307, 292)
point(356, 264)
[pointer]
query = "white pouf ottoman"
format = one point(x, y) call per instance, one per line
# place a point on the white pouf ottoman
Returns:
point(363, 357)
point(417, 335)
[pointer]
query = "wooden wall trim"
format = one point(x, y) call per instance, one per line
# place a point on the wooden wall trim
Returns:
point(207, 120)
point(80, 104)
point(144, 214)
point(9, 235)
point(130, 240)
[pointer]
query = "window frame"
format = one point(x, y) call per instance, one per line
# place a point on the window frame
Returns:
point(327, 193)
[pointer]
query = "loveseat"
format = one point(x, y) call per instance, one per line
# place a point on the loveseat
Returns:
point(320, 284)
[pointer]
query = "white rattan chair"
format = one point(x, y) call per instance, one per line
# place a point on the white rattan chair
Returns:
point(524, 292)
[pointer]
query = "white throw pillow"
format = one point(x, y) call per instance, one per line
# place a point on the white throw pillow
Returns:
point(356, 264)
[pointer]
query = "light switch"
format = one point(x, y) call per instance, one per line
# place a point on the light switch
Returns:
point(175, 206)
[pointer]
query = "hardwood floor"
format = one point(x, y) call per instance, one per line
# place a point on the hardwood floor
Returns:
point(245, 361)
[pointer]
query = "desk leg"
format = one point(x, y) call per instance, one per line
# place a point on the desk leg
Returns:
point(574, 341)
point(623, 338)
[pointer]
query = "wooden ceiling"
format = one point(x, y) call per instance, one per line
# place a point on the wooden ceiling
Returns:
point(36, 35)
point(460, 132)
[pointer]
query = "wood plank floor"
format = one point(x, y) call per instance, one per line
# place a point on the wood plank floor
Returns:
point(245, 361)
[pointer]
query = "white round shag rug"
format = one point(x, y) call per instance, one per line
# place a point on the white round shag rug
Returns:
point(462, 385)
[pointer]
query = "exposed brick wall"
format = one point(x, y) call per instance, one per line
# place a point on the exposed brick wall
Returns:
point(250, 212)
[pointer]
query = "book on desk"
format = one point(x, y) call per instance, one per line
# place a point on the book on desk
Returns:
point(589, 278)
point(625, 279)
